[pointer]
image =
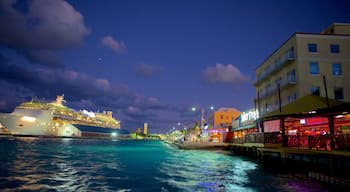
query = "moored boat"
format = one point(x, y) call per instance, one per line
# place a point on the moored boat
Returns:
point(39, 118)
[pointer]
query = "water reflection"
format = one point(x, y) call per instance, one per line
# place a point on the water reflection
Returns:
point(58, 165)
point(206, 171)
point(32, 164)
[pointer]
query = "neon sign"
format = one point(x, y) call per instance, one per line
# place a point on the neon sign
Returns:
point(250, 115)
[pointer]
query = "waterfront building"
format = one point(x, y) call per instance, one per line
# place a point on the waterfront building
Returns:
point(244, 127)
point(301, 88)
point(306, 63)
point(223, 118)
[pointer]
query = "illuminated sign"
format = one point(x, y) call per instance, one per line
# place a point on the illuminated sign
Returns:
point(272, 126)
point(249, 115)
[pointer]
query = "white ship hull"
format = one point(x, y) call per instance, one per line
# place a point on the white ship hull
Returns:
point(35, 122)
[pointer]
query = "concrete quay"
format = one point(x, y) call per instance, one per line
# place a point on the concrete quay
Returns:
point(197, 145)
point(330, 167)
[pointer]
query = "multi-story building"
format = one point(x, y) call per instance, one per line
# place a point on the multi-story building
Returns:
point(306, 63)
point(224, 116)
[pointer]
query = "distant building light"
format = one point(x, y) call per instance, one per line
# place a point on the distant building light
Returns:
point(302, 121)
point(339, 116)
point(113, 134)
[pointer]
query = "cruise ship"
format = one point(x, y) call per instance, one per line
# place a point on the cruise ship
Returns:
point(37, 118)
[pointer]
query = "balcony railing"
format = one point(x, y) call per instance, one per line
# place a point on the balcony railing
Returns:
point(274, 89)
point(286, 58)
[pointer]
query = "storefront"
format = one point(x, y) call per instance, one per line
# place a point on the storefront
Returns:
point(244, 126)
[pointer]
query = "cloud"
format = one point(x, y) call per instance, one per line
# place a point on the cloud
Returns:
point(39, 28)
point(146, 70)
point(117, 47)
point(221, 74)
point(81, 90)
point(47, 57)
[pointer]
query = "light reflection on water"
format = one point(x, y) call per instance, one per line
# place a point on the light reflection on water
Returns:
point(41, 164)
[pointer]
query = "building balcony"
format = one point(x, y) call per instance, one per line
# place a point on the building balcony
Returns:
point(287, 58)
point(274, 89)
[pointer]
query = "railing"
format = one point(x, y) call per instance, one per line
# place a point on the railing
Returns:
point(284, 84)
point(267, 138)
point(278, 65)
point(319, 142)
point(254, 138)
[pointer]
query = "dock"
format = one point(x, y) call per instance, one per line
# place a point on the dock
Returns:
point(188, 145)
point(327, 166)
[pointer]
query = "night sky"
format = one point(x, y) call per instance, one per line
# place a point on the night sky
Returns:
point(148, 61)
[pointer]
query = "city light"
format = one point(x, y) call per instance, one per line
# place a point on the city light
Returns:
point(113, 134)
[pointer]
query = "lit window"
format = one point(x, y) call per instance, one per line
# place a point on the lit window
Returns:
point(315, 90)
point(336, 68)
point(334, 48)
point(312, 47)
point(338, 93)
point(314, 68)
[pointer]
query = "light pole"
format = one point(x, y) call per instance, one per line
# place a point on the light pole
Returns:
point(203, 126)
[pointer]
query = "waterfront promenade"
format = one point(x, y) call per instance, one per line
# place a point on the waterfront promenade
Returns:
point(325, 166)
point(197, 145)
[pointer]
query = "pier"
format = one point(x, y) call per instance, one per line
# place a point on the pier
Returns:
point(199, 145)
point(330, 167)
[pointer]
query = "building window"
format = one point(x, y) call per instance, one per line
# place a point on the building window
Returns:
point(334, 48)
point(312, 47)
point(338, 93)
point(315, 90)
point(336, 68)
point(222, 116)
point(292, 97)
point(291, 76)
point(314, 68)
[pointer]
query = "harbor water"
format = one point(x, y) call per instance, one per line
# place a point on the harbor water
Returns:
point(56, 164)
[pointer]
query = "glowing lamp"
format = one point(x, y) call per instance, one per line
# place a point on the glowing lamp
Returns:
point(28, 119)
point(114, 134)
point(205, 126)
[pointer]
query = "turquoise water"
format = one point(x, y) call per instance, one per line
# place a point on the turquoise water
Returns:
point(42, 164)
